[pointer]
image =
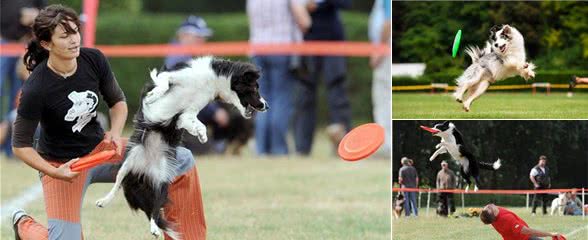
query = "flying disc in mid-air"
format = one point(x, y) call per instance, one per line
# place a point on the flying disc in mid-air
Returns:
point(361, 142)
point(456, 41)
point(90, 161)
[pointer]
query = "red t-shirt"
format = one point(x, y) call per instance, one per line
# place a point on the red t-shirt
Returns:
point(509, 225)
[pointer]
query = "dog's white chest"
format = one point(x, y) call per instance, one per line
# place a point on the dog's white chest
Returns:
point(452, 147)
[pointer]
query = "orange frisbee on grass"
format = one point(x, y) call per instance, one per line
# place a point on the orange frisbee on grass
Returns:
point(92, 160)
point(361, 142)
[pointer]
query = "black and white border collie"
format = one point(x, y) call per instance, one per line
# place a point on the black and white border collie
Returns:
point(170, 105)
point(452, 143)
point(502, 57)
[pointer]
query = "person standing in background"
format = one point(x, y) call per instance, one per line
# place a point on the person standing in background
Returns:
point(379, 33)
point(16, 19)
point(541, 180)
point(445, 180)
point(326, 26)
point(275, 22)
point(409, 178)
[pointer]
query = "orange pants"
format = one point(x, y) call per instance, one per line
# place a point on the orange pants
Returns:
point(63, 201)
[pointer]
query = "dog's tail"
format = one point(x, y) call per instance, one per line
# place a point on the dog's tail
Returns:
point(475, 53)
point(167, 228)
point(491, 166)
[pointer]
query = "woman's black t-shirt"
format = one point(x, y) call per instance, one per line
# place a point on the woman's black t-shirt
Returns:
point(66, 107)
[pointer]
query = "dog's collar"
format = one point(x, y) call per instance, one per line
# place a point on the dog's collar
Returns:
point(143, 131)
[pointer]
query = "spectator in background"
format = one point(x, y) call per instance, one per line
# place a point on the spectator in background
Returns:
point(379, 34)
point(15, 27)
point(541, 180)
point(408, 178)
point(445, 180)
point(574, 205)
point(193, 32)
point(326, 26)
point(275, 22)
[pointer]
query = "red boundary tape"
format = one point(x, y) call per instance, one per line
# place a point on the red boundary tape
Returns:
point(318, 48)
point(483, 191)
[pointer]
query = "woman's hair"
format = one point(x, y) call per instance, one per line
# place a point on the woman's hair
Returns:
point(44, 27)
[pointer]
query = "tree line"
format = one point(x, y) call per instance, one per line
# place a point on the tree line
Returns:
point(518, 143)
point(556, 33)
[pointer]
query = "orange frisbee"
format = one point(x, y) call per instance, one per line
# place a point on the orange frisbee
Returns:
point(431, 130)
point(92, 160)
point(361, 142)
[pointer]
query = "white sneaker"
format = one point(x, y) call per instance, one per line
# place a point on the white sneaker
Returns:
point(16, 216)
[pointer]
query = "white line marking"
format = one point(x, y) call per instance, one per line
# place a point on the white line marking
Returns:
point(27, 196)
point(576, 231)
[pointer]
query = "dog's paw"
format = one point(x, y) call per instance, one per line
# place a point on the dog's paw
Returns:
point(527, 72)
point(155, 232)
point(201, 133)
point(103, 202)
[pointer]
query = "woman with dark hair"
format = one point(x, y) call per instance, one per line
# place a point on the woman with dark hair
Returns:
point(62, 95)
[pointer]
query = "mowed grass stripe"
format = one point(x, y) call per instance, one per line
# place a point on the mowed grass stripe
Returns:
point(259, 198)
point(491, 105)
point(439, 228)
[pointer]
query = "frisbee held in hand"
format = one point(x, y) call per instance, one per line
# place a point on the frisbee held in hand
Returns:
point(361, 142)
point(92, 160)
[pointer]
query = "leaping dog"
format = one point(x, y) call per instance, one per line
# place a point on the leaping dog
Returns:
point(169, 105)
point(452, 143)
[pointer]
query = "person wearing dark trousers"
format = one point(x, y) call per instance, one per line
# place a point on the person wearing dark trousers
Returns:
point(541, 180)
point(445, 180)
point(409, 178)
point(16, 18)
point(326, 26)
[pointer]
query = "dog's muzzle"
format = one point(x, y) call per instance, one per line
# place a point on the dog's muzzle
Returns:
point(250, 109)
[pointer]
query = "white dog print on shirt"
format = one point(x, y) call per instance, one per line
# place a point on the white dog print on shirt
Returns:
point(83, 109)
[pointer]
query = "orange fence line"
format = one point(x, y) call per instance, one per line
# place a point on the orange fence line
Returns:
point(483, 191)
point(319, 48)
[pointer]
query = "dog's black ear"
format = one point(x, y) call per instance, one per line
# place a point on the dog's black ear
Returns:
point(494, 29)
point(252, 74)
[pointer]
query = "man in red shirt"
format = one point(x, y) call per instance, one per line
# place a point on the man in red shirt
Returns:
point(511, 226)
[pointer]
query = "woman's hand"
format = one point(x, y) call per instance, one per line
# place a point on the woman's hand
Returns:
point(116, 140)
point(64, 171)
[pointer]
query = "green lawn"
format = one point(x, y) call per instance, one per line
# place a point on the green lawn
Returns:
point(437, 228)
point(319, 197)
point(522, 105)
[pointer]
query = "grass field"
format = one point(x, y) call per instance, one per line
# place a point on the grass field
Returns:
point(318, 197)
point(437, 228)
point(493, 105)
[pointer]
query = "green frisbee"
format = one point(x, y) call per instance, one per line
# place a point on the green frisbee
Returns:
point(456, 43)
